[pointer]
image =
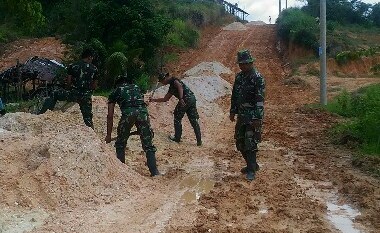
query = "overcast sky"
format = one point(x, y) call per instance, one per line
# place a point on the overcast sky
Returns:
point(262, 9)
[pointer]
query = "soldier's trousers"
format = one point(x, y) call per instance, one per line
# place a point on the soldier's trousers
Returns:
point(141, 121)
point(84, 101)
point(247, 138)
point(191, 111)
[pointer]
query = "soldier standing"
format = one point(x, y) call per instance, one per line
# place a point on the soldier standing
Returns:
point(247, 102)
point(82, 82)
point(186, 104)
point(134, 113)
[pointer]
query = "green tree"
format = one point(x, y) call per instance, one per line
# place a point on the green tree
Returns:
point(375, 14)
point(294, 25)
point(24, 13)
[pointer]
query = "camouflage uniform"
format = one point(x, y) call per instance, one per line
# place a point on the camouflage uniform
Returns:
point(247, 101)
point(83, 75)
point(190, 109)
point(134, 112)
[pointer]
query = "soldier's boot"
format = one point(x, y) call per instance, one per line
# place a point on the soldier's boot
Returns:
point(244, 169)
point(151, 163)
point(251, 165)
point(177, 131)
point(197, 130)
point(120, 153)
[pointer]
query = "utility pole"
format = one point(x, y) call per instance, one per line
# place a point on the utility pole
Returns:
point(322, 53)
point(279, 7)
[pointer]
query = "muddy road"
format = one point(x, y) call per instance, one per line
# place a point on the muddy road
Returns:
point(305, 183)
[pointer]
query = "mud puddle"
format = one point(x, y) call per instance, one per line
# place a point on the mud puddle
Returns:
point(195, 187)
point(340, 215)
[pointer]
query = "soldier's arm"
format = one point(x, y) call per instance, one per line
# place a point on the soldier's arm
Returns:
point(111, 108)
point(234, 107)
point(69, 80)
point(94, 84)
point(260, 95)
point(166, 98)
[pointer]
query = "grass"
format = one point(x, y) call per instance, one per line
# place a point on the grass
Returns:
point(361, 130)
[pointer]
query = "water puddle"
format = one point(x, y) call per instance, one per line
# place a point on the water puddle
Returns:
point(195, 187)
point(342, 217)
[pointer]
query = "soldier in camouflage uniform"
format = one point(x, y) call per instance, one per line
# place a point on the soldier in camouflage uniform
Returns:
point(82, 81)
point(247, 102)
point(134, 113)
point(186, 104)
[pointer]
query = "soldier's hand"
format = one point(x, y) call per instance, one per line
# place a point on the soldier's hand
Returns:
point(108, 139)
point(232, 117)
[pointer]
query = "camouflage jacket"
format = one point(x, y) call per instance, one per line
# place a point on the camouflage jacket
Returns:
point(83, 75)
point(188, 95)
point(248, 94)
point(129, 99)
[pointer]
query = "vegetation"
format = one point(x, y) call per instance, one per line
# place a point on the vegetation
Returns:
point(345, 56)
point(362, 109)
point(140, 30)
point(293, 25)
point(345, 20)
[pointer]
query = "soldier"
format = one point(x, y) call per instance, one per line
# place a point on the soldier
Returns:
point(247, 101)
point(186, 104)
point(82, 82)
point(134, 112)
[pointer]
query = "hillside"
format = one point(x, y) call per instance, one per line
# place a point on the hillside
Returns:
point(59, 176)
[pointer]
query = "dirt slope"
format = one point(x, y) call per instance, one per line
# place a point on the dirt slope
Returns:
point(305, 184)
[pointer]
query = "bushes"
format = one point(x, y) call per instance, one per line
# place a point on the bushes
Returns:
point(345, 56)
point(182, 35)
point(362, 108)
point(293, 25)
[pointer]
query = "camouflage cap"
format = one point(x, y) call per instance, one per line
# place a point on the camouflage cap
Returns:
point(162, 76)
point(244, 56)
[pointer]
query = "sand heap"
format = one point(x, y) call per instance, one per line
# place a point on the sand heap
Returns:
point(205, 81)
point(235, 26)
point(49, 161)
point(254, 23)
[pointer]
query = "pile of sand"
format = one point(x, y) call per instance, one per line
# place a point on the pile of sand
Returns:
point(50, 161)
point(205, 81)
point(54, 160)
point(235, 26)
point(253, 23)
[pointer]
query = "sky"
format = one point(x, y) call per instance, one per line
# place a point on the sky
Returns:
point(262, 9)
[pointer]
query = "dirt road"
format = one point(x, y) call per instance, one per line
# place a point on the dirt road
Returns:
point(305, 183)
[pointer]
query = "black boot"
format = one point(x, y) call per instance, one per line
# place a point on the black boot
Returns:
point(151, 162)
point(120, 153)
point(197, 130)
point(251, 165)
point(244, 169)
point(177, 131)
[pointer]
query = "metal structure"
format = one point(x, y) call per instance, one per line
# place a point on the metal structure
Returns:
point(233, 9)
point(23, 81)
